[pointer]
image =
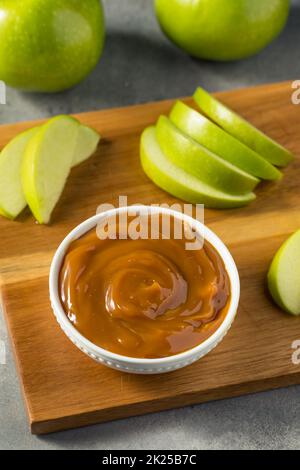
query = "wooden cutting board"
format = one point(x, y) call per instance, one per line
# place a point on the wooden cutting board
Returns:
point(62, 387)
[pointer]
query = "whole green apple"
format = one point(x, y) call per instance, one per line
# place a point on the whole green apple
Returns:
point(222, 29)
point(49, 45)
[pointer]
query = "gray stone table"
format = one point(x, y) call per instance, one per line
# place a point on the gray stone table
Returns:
point(140, 65)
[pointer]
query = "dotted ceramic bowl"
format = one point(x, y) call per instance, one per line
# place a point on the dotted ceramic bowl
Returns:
point(131, 364)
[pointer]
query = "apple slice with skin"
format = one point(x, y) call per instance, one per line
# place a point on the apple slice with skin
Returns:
point(284, 275)
point(87, 143)
point(200, 162)
point(221, 143)
point(46, 165)
point(242, 129)
point(179, 183)
point(12, 199)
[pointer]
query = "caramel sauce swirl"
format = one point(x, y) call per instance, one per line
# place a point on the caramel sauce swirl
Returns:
point(143, 298)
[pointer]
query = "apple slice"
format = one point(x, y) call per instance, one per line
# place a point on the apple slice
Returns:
point(179, 183)
point(200, 162)
point(46, 164)
point(87, 143)
point(284, 275)
point(242, 129)
point(219, 142)
point(12, 199)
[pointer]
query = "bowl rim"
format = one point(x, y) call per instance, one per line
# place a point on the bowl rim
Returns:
point(98, 351)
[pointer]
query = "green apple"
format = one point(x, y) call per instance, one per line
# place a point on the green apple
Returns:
point(12, 199)
point(219, 142)
point(46, 165)
point(178, 182)
point(222, 29)
point(200, 162)
point(242, 129)
point(47, 45)
point(87, 143)
point(284, 275)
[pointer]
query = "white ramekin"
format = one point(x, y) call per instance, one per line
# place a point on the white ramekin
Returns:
point(131, 364)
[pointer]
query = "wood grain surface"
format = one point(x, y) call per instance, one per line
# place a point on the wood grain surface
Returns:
point(62, 387)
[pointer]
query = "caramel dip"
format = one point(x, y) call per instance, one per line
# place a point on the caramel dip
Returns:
point(143, 298)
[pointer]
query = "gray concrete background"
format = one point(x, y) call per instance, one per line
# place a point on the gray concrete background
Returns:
point(140, 65)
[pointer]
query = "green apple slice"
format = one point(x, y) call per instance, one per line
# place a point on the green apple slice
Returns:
point(178, 182)
point(284, 275)
point(87, 143)
point(12, 199)
point(221, 143)
point(242, 129)
point(200, 162)
point(46, 165)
